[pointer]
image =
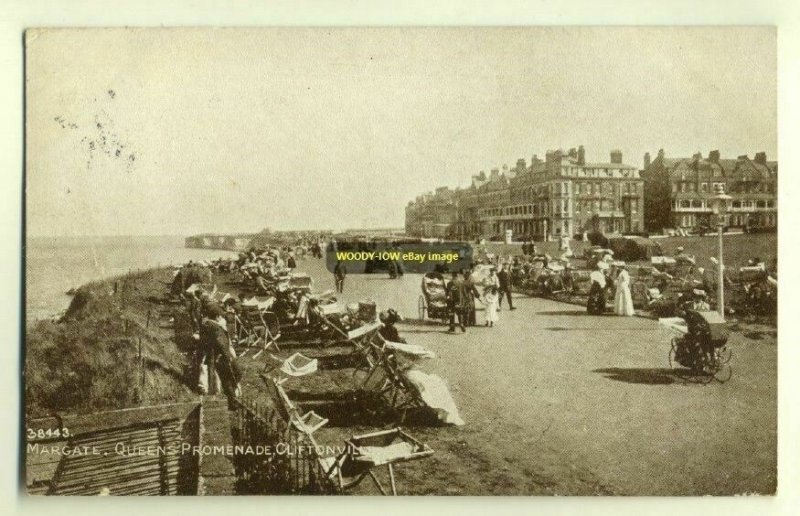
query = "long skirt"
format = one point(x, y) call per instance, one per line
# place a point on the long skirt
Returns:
point(596, 304)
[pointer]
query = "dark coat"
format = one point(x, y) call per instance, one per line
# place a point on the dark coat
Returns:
point(504, 278)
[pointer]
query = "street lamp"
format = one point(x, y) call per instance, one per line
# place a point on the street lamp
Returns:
point(720, 208)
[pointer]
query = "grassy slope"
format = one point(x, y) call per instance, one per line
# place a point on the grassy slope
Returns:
point(90, 359)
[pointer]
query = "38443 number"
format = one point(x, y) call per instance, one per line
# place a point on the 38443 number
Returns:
point(49, 433)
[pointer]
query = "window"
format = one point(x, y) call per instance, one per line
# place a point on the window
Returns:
point(704, 187)
point(770, 204)
point(674, 187)
point(696, 204)
point(761, 204)
point(737, 204)
point(685, 204)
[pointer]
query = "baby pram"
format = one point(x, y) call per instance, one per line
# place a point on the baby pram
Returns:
point(702, 348)
point(433, 301)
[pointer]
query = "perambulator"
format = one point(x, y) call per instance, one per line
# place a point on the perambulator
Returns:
point(433, 301)
point(702, 349)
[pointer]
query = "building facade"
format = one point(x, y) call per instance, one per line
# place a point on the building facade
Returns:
point(560, 195)
point(679, 192)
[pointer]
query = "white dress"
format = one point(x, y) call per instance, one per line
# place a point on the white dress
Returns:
point(492, 300)
point(623, 304)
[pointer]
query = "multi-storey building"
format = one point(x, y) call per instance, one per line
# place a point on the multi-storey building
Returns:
point(679, 192)
point(432, 214)
point(563, 194)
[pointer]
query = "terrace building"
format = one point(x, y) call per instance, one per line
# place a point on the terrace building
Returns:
point(432, 214)
point(562, 194)
point(679, 191)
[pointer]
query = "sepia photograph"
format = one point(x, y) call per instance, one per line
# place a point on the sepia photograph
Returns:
point(459, 261)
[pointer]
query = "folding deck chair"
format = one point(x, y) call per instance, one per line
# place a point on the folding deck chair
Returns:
point(362, 453)
point(395, 389)
point(307, 423)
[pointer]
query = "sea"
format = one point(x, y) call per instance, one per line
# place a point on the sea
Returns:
point(54, 265)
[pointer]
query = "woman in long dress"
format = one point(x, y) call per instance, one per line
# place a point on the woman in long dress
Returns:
point(596, 304)
point(623, 304)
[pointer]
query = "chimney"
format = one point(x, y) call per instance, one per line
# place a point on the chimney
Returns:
point(553, 162)
point(482, 176)
point(505, 168)
point(761, 157)
point(534, 159)
point(660, 153)
point(646, 160)
point(521, 166)
point(616, 156)
point(495, 174)
point(743, 157)
point(697, 156)
point(573, 153)
point(713, 156)
point(581, 155)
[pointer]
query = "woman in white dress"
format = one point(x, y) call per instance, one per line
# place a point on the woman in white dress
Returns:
point(623, 304)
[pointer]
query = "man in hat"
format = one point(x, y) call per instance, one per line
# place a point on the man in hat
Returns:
point(339, 274)
point(217, 354)
point(504, 287)
point(453, 291)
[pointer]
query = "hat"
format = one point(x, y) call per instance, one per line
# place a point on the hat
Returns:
point(602, 266)
point(699, 293)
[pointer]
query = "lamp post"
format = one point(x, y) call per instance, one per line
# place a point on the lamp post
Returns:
point(720, 211)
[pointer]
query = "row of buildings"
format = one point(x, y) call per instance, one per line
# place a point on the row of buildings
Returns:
point(566, 195)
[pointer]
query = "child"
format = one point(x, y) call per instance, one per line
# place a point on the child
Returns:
point(492, 302)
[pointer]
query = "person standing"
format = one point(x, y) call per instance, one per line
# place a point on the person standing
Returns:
point(504, 287)
point(468, 295)
point(453, 291)
point(339, 274)
point(623, 304)
point(596, 304)
point(491, 298)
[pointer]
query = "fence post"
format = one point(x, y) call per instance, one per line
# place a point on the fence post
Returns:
point(141, 371)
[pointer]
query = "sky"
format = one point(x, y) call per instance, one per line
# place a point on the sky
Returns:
point(182, 131)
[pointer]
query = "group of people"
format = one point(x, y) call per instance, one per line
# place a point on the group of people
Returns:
point(607, 274)
point(462, 292)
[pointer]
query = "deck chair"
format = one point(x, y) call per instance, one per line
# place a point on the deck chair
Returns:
point(395, 389)
point(307, 423)
point(262, 328)
point(363, 453)
point(296, 365)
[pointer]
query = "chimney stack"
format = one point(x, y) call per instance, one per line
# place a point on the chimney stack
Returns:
point(646, 160)
point(697, 156)
point(573, 153)
point(521, 166)
point(581, 155)
point(660, 153)
point(713, 156)
point(761, 157)
point(743, 157)
point(495, 173)
point(616, 156)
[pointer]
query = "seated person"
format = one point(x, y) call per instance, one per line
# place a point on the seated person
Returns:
point(388, 331)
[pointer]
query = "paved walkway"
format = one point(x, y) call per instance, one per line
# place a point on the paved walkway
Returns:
point(557, 401)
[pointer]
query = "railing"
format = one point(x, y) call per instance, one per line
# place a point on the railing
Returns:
point(284, 460)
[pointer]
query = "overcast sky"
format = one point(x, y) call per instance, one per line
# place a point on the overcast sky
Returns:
point(178, 131)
